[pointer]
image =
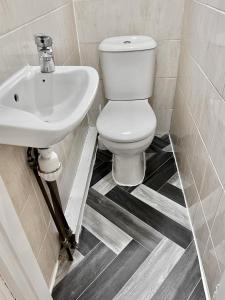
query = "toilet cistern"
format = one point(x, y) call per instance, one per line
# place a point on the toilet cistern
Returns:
point(45, 51)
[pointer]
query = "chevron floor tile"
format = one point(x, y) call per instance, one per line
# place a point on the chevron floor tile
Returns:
point(136, 242)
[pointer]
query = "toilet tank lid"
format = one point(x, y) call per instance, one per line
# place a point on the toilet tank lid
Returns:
point(127, 43)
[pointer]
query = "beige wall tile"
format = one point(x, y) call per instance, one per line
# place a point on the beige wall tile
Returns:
point(90, 56)
point(201, 229)
point(218, 144)
point(164, 92)
point(170, 27)
point(11, 52)
point(215, 53)
point(220, 4)
point(198, 161)
point(211, 267)
point(163, 117)
point(33, 223)
point(167, 58)
point(46, 257)
point(218, 235)
point(14, 174)
point(18, 12)
point(210, 192)
point(97, 106)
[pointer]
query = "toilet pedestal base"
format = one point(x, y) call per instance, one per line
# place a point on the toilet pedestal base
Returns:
point(128, 170)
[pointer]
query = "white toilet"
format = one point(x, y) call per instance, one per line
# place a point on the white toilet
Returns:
point(127, 123)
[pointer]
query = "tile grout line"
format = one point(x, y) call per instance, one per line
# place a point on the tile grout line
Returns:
point(194, 288)
point(209, 6)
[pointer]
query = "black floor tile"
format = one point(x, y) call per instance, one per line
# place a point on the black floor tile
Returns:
point(162, 175)
point(151, 216)
point(166, 139)
point(84, 274)
point(198, 293)
point(87, 241)
point(161, 142)
point(100, 172)
point(98, 162)
point(182, 279)
point(109, 283)
point(172, 192)
point(155, 162)
point(126, 221)
point(104, 155)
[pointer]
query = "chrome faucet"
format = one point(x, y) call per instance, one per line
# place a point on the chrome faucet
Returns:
point(45, 51)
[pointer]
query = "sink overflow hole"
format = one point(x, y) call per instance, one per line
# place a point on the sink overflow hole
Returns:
point(43, 80)
point(16, 97)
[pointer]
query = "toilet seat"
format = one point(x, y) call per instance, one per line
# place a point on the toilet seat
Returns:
point(126, 121)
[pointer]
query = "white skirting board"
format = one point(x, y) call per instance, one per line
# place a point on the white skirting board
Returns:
point(78, 194)
point(75, 207)
point(205, 284)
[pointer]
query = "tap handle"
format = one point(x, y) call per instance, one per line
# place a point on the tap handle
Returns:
point(43, 40)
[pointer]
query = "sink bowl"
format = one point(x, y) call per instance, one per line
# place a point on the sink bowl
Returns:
point(40, 109)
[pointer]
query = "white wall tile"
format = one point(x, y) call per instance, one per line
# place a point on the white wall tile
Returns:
point(20, 12)
point(167, 58)
point(164, 92)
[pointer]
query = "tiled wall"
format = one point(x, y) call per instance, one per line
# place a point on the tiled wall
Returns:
point(161, 19)
point(20, 20)
point(198, 129)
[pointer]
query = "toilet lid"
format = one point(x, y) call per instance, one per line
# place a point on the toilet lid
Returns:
point(126, 121)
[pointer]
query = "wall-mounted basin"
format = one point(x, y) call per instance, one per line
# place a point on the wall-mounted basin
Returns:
point(40, 109)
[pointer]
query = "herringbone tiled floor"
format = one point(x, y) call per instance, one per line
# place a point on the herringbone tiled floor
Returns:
point(136, 243)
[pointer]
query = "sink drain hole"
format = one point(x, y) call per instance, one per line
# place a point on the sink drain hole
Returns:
point(16, 97)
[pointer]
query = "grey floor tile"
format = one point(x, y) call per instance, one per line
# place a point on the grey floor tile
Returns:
point(104, 185)
point(106, 231)
point(182, 279)
point(66, 266)
point(107, 285)
point(84, 274)
point(87, 241)
point(153, 271)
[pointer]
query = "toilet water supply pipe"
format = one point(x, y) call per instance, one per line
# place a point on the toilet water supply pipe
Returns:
point(46, 166)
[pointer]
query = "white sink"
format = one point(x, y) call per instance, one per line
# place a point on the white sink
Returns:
point(40, 109)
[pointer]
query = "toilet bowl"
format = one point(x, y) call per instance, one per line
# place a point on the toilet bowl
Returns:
point(127, 124)
point(127, 129)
